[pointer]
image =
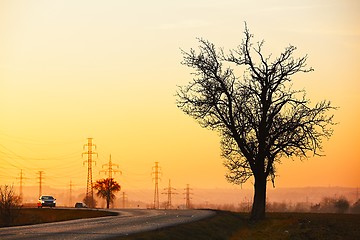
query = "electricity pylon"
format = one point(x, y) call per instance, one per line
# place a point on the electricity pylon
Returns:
point(40, 182)
point(169, 192)
point(89, 185)
point(156, 176)
point(124, 198)
point(21, 178)
point(70, 192)
point(187, 196)
point(110, 169)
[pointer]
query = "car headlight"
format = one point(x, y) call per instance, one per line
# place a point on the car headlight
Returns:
point(42, 201)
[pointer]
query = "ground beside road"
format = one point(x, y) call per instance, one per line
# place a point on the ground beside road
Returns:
point(223, 225)
point(28, 216)
point(127, 222)
point(233, 226)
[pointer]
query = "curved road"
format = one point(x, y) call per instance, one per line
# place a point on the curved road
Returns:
point(127, 222)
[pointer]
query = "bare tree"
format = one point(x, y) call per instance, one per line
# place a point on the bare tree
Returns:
point(260, 118)
point(10, 205)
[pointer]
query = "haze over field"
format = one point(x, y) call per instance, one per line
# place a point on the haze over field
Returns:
point(70, 70)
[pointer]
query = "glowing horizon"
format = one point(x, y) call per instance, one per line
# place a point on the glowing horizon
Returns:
point(73, 70)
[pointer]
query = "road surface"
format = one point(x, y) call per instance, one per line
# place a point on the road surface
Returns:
point(127, 222)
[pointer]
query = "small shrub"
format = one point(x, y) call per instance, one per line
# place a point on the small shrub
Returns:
point(10, 205)
point(90, 201)
point(355, 208)
point(334, 205)
point(341, 205)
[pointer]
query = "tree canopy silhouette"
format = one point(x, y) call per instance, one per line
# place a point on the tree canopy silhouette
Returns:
point(260, 118)
point(106, 189)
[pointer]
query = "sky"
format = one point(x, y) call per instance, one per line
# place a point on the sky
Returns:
point(109, 70)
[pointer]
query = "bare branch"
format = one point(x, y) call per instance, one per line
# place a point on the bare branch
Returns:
point(260, 118)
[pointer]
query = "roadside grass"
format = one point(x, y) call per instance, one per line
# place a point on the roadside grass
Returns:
point(224, 225)
point(28, 216)
point(233, 226)
point(219, 226)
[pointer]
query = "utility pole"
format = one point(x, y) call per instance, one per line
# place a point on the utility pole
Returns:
point(70, 192)
point(187, 196)
point(169, 192)
point(124, 198)
point(156, 173)
point(40, 181)
point(21, 178)
point(89, 184)
point(110, 169)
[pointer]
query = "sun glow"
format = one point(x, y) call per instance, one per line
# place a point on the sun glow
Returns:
point(72, 70)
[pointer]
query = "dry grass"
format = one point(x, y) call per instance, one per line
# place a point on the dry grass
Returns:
point(29, 216)
point(300, 226)
point(294, 226)
point(226, 225)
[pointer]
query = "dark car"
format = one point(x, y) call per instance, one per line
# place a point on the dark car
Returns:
point(46, 201)
point(80, 205)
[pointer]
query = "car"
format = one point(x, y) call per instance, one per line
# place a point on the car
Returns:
point(80, 205)
point(46, 201)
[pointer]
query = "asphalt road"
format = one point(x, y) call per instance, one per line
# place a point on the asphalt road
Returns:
point(127, 222)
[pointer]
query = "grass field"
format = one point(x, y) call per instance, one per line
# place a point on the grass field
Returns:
point(225, 225)
point(29, 216)
point(295, 226)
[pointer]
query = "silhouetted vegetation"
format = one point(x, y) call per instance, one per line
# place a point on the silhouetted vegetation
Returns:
point(106, 189)
point(10, 205)
point(260, 118)
point(355, 208)
point(332, 205)
point(326, 205)
point(90, 201)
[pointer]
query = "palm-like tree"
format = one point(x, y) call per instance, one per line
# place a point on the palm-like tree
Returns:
point(106, 189)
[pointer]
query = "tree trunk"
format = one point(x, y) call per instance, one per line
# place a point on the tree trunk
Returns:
point(107, 202)
point(258, 208)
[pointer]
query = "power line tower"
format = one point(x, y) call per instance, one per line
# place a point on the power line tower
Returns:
point(40, 181)
point(169, 192)
point(187, 196)
point(21, 178)
point(124, 199)
point(89, 185)
point(110, 169)
point(70, 192)
point(156, 176)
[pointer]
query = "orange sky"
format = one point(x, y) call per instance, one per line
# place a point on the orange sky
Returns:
point(70, 70)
